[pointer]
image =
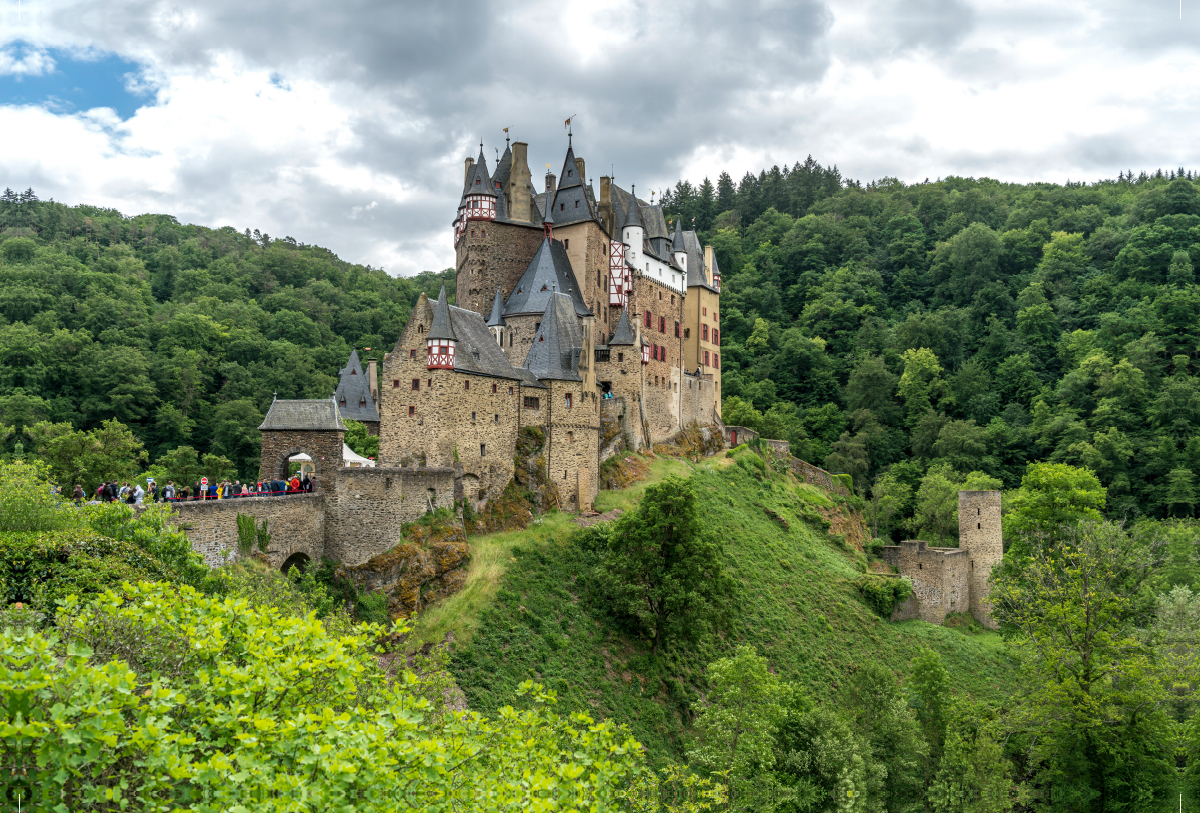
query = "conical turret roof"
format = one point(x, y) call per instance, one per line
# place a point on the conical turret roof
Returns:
point(353, 393)
point(478, 181)
point(497, 317)
point(633, 217)
point(570, 171)
point(554, 353)
point(677, 240)
point(441, 327)
point(624, 332)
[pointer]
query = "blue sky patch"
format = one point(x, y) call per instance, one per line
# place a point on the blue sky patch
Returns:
point(74, 84)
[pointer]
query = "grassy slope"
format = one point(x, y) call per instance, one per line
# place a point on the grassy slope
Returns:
point(524, 613)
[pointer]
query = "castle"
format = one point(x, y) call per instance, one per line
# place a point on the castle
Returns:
point(568, 305)
point(953, 580)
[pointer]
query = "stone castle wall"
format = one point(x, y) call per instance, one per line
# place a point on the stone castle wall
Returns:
point(573, 441)
point(366, 507)
point(979, 532)
point(296, 524)
point(497, 260)
point(697, 401)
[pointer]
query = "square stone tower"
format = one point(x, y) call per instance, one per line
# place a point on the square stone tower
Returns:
point(980, 535)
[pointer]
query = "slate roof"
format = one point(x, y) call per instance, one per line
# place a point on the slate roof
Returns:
point(624, 332)
point(442, 328)
point(570, 171)
point(571, 203)
point(632, 215)
point(697, 274)
point(303, 415)
point(497, 317)
point(475, 348)
point(478, 182)
point(554, 354)
point(677, 237)
point(354, 387)
point(504, 167)
point(548, 272)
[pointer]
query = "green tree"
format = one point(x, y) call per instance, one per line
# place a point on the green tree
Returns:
point(885, 722)
point(662, 569)
point(1053, 495)
point(1092, 712)
point(920, 382)
point(108, 452)
point(974, 774)
point(736, 724)
point(931, 695)
point(889, 498)
point(361, 441)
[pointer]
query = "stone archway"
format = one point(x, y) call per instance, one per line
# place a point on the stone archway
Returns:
point(279, 470)
point(298, 560)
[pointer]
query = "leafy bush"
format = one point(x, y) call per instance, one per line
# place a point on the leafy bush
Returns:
point(883, 594)
point(29, 502)
point(158, 697)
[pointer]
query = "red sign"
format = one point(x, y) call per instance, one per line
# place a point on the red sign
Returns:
point(203, 481)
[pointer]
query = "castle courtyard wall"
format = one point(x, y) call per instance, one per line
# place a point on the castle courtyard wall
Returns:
point(573, 437)
point(325, 449)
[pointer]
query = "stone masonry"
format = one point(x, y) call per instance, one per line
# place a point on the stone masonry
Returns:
point(954, 580)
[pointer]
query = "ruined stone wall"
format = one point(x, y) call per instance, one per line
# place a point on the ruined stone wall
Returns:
point(497, 260)
point(296, 524)
point(366, 507)
point(939, 577)
point(573, 444)
point(980, 533)
point(325, 448)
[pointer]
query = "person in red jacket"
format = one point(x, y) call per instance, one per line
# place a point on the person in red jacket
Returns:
point(294, 485)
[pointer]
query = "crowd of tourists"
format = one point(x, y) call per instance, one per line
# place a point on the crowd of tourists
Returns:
point(134, 494)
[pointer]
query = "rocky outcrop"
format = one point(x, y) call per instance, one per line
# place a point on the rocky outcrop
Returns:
point(417, 572)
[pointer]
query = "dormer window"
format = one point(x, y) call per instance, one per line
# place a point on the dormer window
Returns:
point(477, 182)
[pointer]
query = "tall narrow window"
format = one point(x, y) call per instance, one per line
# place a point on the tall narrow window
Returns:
point(570, 403)
point(483, 450)
point(416, 384)
point(412, 410)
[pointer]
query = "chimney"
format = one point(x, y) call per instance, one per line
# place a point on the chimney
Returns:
point(550, 179)
point(470, 162)
point(606, 215)
point(373, 380)
point(518, 182)
point(708, 264)
point(582, 174)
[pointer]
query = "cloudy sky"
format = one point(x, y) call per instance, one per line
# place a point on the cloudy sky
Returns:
point(346, 123)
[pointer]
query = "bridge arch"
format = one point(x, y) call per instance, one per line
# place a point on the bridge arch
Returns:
point(298, 560)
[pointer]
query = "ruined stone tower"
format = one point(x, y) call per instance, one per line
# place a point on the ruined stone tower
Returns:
point(980, 535)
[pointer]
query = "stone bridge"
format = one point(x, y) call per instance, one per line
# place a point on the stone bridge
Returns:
point(356, 516)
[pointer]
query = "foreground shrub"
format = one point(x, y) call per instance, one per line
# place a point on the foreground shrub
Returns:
point(159, 697)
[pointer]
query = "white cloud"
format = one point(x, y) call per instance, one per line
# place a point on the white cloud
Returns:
point(25, 62)
point(347, 125)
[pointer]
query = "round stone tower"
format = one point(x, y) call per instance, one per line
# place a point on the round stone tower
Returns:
point(979, 534)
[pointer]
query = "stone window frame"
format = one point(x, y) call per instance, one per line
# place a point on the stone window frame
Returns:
point(412, 410)
point(510, 390)
point(395, 383)
point(532, 402)
point(412, 353)
point(570, 402)
point(483, 450)
point(494, 387)
point(416, 384)
point(467, 384)
point(620, 357)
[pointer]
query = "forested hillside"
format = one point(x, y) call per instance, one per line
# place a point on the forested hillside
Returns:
point(911, 335)
point(181, 333)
